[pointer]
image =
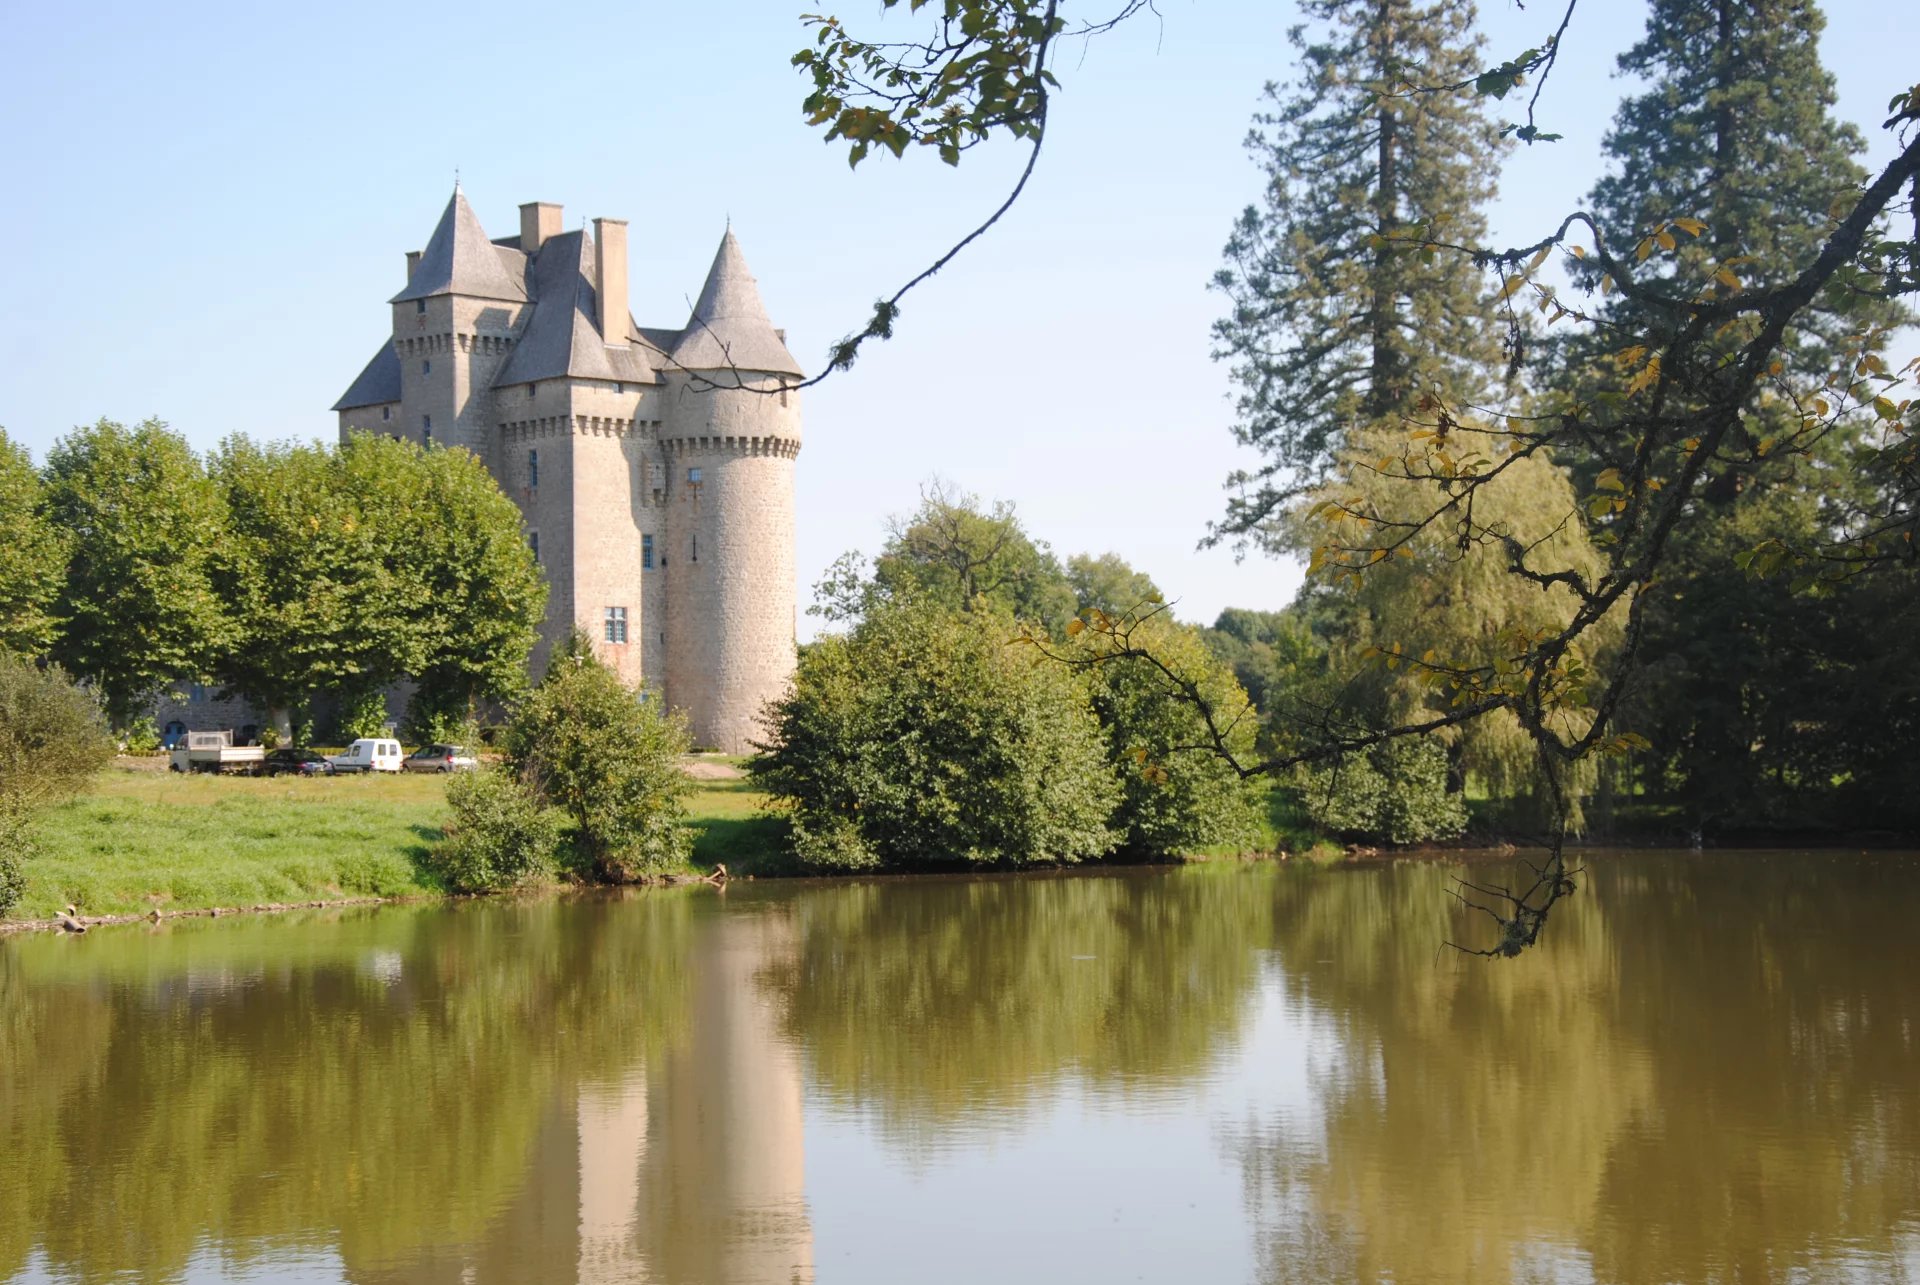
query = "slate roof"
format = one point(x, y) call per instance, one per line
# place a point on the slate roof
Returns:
point(378, 384)
point(561, 338)
point(459, 259)
point(729, 326)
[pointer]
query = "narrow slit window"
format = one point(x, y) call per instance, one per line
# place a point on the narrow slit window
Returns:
point(533, 468)
point(533, 542)
point(646, 553)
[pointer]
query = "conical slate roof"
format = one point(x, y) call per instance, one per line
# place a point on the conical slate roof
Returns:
point(460, 260)
point(729, 327)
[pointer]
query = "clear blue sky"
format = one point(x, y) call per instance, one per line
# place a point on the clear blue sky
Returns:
point(208, 204)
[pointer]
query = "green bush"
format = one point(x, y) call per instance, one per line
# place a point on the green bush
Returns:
point(16, 845)
point(1396, 793)
point(1174, 797)
point(925, 738)
point(610, 759)
point(142, 737)
point(53, 737)
point(500, 834)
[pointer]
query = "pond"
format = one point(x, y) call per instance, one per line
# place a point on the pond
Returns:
point(1708, 1071)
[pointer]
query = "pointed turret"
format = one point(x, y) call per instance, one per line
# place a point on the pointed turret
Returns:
point(729, 326)
point(459, 259)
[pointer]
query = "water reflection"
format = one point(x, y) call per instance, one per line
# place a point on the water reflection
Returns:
point(1710, 1073)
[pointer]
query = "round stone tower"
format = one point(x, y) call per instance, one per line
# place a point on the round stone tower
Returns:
point(731, 432)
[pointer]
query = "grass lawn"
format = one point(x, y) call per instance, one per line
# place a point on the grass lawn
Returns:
point(731, 827)
point(142, 839)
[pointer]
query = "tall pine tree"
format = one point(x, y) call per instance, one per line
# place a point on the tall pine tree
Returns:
point(1735, 128)
point(1335, 323)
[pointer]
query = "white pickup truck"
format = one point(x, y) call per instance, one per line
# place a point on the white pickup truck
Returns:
point(216, 752)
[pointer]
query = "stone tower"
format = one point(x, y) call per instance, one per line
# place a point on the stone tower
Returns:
point(653, 467)
point(731, 434)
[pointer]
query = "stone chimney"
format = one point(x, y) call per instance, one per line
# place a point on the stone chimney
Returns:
point(610, 282)
point(539, 224)
point(413, 261)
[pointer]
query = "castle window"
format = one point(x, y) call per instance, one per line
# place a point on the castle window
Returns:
point(619, 388)
point(426, 367)
point(529, 392)
point(696, 548)
point(616, 622)
point(386, 412)
point(419, 305)
point(533, 543)
point(533, 468)
point(646, 553)
point(693, 475)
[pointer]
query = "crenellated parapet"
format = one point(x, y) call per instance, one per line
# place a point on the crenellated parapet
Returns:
point(778, 447)
point(530, 430)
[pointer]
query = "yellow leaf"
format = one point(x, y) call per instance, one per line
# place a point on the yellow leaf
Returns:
point(1513, 284)
point(1648, 373)
point(1692, 227)
point(1645, 248)
point(1540, 258)
point(1609, 480)
point(1665, 238)
point(1693, 443)
point(1726, 278)
point(1075, 626)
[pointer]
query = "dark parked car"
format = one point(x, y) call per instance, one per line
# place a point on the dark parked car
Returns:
point(298, 763)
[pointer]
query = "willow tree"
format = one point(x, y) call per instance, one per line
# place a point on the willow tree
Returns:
point(1446, 590)
point(1337, 319)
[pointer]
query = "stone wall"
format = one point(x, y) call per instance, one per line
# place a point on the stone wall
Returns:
point(730, 543)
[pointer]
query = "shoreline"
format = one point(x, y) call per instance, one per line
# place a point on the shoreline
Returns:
point(1354, 857)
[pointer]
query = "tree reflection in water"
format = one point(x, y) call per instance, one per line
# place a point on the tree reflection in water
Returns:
point(1709, 1072)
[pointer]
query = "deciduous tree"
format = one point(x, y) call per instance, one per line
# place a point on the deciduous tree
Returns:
point(144, 525)
point(35, 559)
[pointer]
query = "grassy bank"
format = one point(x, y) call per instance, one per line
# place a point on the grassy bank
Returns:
point(140, 840)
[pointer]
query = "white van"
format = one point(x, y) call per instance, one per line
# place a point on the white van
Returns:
point(368, 754)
